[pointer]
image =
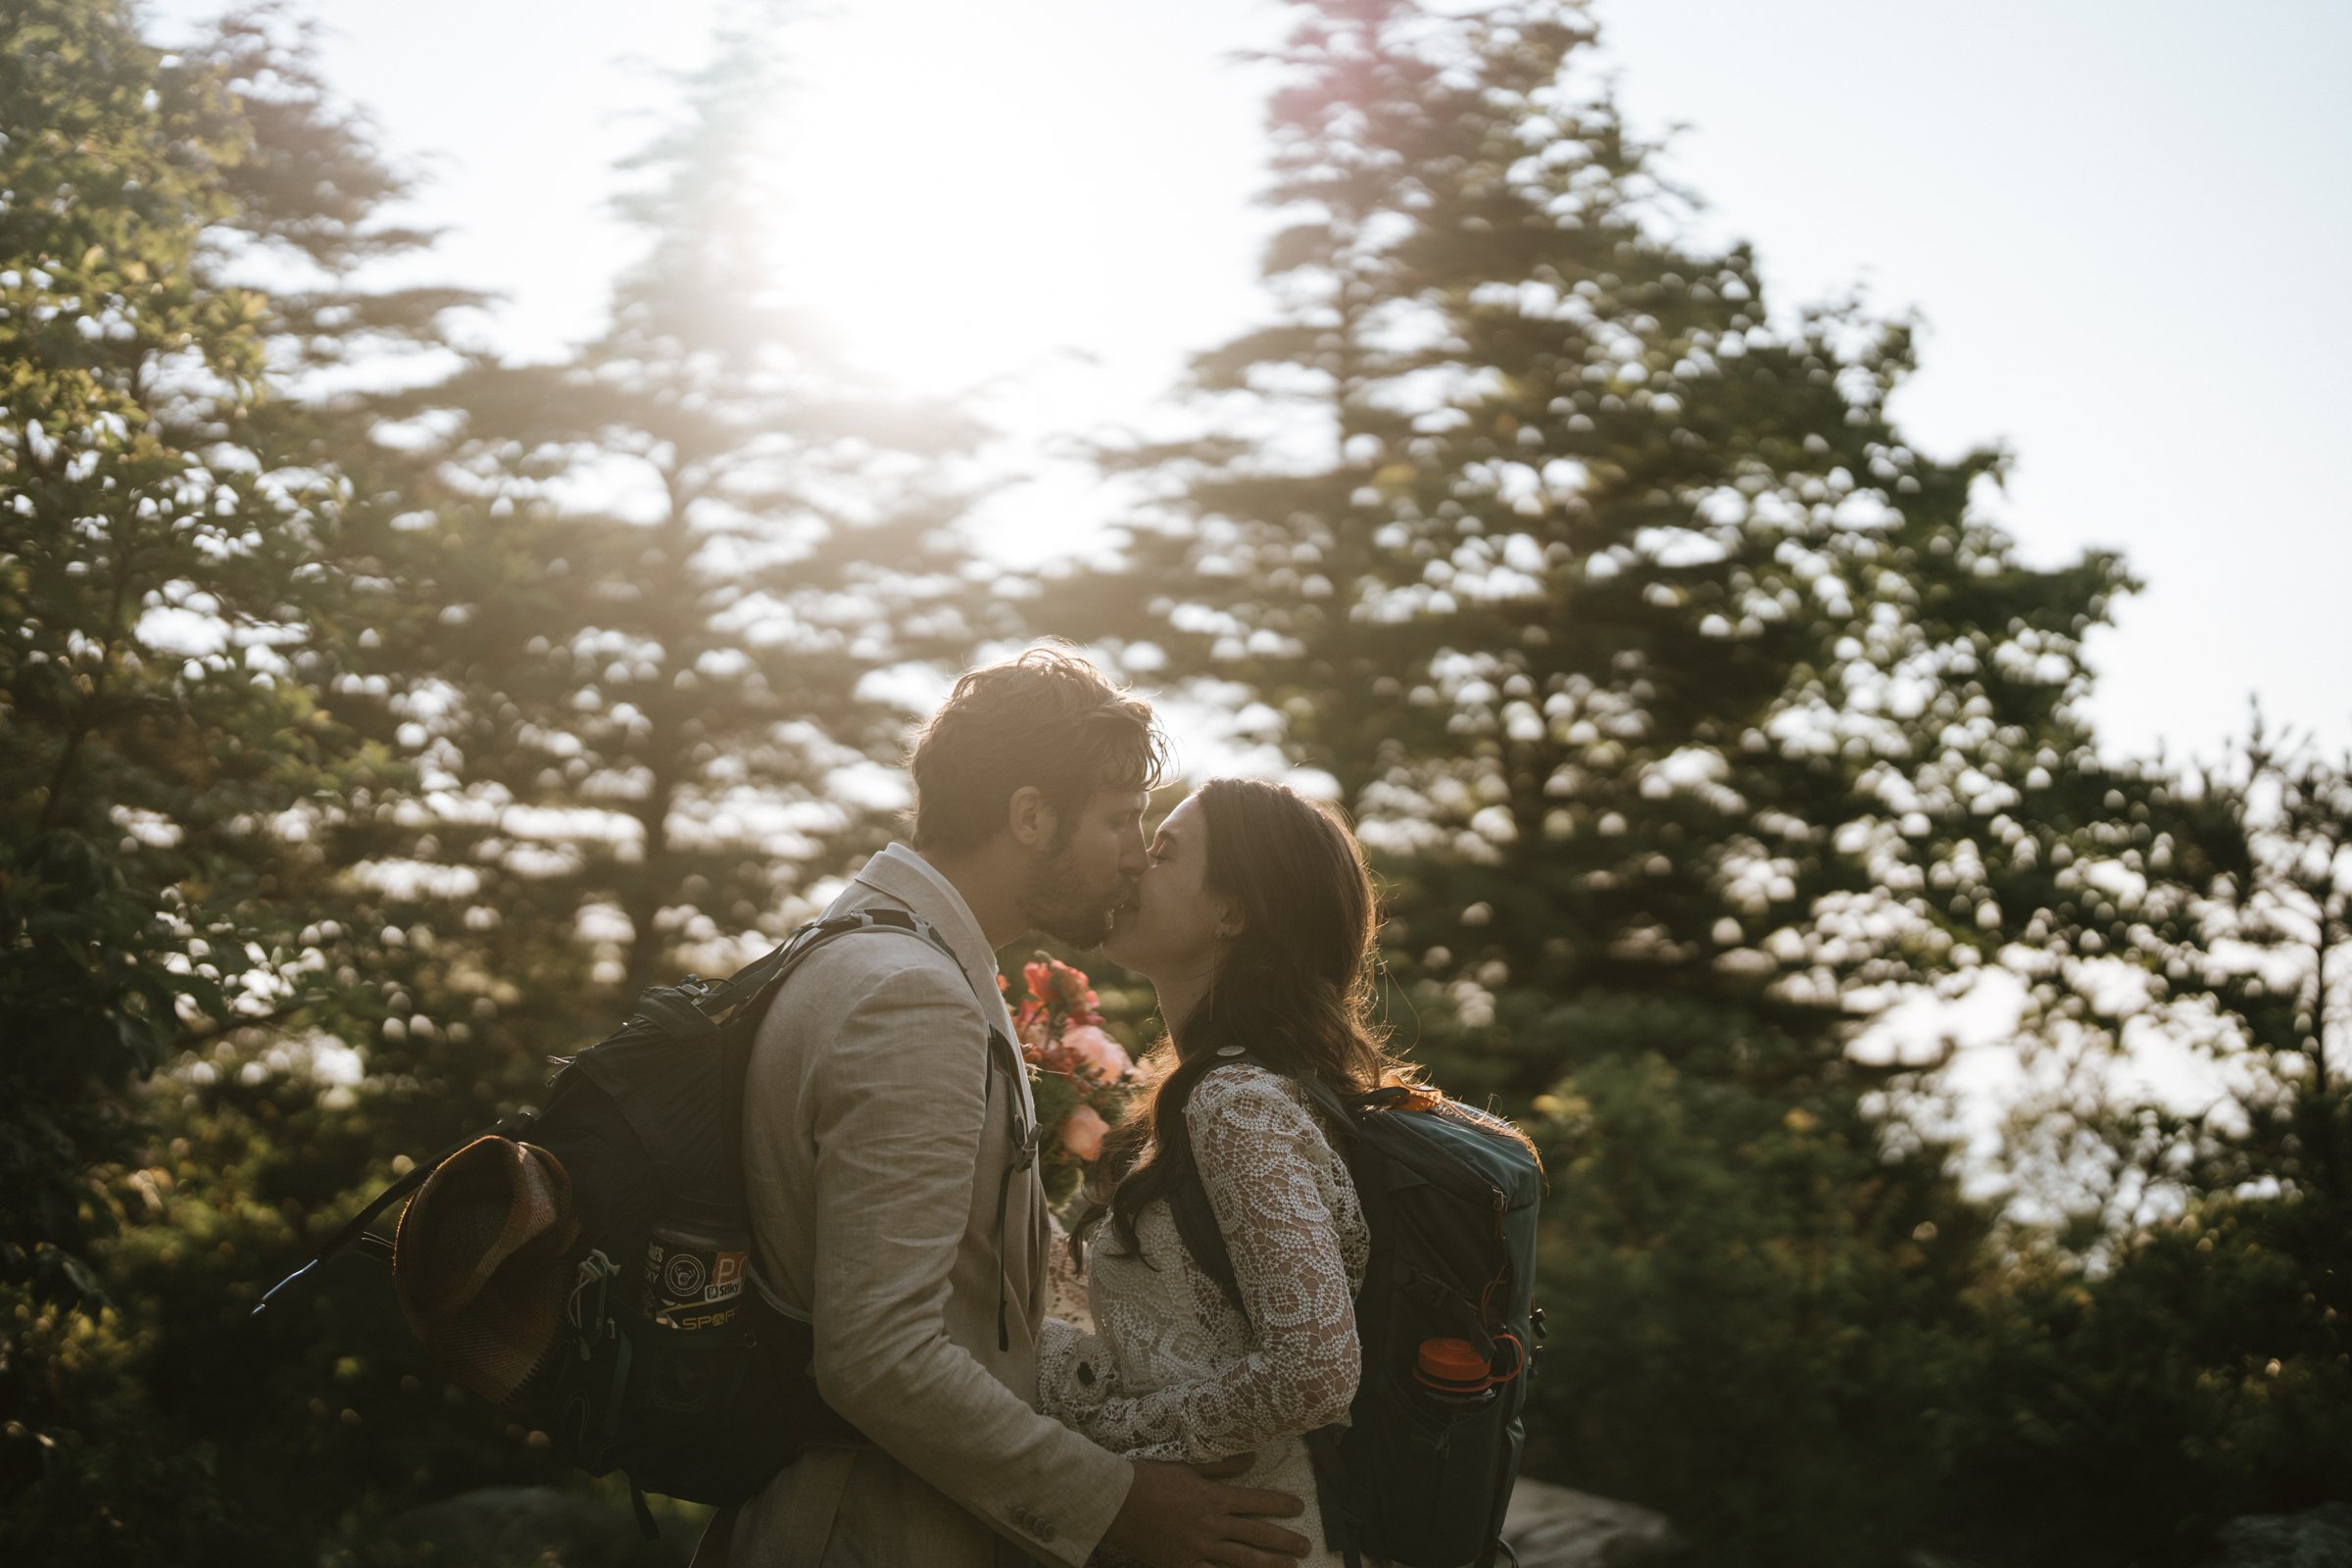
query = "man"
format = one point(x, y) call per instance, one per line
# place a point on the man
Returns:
point(890, 1158)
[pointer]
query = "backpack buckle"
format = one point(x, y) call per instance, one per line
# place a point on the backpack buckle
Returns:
point(591, 1322)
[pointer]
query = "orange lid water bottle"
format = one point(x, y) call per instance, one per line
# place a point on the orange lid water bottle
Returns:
point(1455, 1369)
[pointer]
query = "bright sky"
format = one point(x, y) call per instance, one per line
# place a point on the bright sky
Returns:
point(2124, 221)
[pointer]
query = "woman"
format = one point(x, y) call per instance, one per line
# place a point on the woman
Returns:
point(1255, 923)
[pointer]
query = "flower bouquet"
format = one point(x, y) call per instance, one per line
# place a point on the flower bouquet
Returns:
point(1080, 1075)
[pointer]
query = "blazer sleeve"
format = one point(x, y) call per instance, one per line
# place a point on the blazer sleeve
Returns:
point(900, 1105)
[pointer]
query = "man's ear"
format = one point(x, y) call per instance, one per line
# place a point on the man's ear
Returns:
point(1029, 817)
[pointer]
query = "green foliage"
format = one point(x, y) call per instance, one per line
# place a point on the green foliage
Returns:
point(2123, 1416)
point(2169, 1350)
point(109, 515)
point(1736, 1305)
point(184, 518)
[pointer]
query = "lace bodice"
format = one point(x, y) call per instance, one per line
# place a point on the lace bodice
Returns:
point(1170, 1370)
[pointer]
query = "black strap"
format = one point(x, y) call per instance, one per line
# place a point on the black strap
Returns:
point(715, 1001)
point(1024, 1156)
point(763, 973)
point(754, 986)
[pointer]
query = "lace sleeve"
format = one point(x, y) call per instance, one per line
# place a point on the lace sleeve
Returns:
point(1265, 1165)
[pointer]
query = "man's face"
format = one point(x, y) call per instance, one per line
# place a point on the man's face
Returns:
point(1085, 869)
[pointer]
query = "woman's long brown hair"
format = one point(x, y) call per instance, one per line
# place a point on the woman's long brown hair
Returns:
point(1296, 988)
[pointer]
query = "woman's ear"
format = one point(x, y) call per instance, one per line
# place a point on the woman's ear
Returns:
point(1229, 923)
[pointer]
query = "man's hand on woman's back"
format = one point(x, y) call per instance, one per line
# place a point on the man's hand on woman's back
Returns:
point(1180, 1515)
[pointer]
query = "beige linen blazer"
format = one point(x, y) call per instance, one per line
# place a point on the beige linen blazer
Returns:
point(879, 1129)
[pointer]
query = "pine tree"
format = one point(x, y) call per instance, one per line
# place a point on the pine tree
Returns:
point(672, 568)
point(1690, 712)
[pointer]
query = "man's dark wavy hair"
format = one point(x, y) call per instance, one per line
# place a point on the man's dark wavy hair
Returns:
point(1048, 719)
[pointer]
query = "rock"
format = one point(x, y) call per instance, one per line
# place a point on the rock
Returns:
point(534, 1527)
point(2316, 1537)
point(1553, 1527)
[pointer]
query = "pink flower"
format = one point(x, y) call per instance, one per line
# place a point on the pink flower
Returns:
point(1104, 1057)
point(1082, 1133)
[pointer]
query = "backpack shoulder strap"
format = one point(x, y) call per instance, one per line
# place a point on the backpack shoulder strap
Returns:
point(715, 1002)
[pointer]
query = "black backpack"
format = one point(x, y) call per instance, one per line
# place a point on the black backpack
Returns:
point(1422, 1473)
point(648, 1124)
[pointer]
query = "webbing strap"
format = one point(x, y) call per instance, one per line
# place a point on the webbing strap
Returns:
point(1024, 1156)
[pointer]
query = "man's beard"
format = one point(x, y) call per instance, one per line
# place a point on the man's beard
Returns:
point(1054, 900)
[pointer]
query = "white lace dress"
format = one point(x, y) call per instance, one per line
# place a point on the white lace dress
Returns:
point(1170, 1370)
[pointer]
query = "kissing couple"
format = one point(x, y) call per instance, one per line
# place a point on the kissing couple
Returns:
point(889, 1145)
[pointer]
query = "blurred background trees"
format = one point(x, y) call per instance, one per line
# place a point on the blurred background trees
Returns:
point(381, 712)
point(178, 552)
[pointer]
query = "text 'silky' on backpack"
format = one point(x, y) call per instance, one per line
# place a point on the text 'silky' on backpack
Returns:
point(1422, 1473)
point(588, 1268)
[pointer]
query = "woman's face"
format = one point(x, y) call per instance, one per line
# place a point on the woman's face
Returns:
point(1175, 927)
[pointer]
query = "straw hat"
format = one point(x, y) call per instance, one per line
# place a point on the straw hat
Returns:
point(479, 1262)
